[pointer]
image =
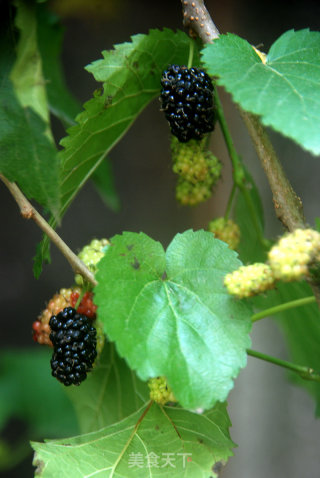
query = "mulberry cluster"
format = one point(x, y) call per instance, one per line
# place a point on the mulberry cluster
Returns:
point(64, 298)
point(160, 391)
point(198, 170)
point(91, 255)
point(187, 101)
point(74, 341)
point(292, 256)
point(249, 280)
point(226, 230)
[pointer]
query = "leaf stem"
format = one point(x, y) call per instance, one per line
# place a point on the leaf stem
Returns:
point(307, 373)
point(29, 212)
point(282, 307)
point(81, 296)
point(238, 172)
point(230, 201)
point(191, 52)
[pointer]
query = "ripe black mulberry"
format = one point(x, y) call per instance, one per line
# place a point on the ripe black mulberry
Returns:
point(187, 102)
point(74, 341)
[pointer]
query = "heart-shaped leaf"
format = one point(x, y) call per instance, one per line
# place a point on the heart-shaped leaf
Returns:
point(170, 314)
point(284, 91)
point(157, 442)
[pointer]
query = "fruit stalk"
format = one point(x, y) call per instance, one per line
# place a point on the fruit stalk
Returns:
point(307, 373)
point(29, 212)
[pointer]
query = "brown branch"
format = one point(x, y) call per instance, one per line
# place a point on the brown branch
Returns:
point(29, 212)
point(196, 17)
point(287, 204)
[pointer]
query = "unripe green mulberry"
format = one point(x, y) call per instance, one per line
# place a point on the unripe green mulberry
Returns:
point(198, 171)
point(249, 280)
point(226, 230)
point(91, 255)
point(189, 194)
point(193, 162)
point(292, 256)
point(160, 391)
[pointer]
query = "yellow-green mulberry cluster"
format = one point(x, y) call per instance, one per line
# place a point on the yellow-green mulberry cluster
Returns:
point(248, 281)
point(292, 256)
point(160, 391)
point(189, 194)
point(226, 230)
point(198, 170)
point(91, 255)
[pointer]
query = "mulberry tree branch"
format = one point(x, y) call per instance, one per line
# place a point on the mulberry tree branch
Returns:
point(29, 212)
point(196, 17)
point(287, 204)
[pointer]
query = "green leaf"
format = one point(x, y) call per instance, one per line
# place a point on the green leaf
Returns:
point(284, 91)
point(170, 314)
point(104, 183)
point(131, 79)
point(50, 36)
point(110, 393)
point(26, 74)
point(249, 216)
point(42, 256)
point(143, 447)
point(27, 155)
point(30, 393)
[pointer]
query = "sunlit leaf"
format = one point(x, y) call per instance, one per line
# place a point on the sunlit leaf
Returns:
point(170, 314)
point(164, 442)
point(284, 90)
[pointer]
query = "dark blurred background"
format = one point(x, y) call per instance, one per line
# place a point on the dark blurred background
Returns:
point(273, 422)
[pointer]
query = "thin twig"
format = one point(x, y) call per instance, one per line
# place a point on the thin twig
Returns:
point(29, 212)
point(277, 309)
point(307, 373)
point(196, 17)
